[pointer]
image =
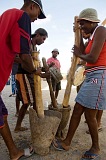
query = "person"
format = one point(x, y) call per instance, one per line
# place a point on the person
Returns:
point(54, 62)
point(25, 82)
point(82, 62)
point(15, 33)
point(13, 81)
point(92, 94)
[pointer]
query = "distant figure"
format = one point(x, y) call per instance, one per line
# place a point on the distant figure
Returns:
point(54, 62)
point(13, 81)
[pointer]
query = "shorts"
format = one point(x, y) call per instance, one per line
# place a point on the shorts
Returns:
point(3, 112)
point(92, 93)
point(25, 88)
point(56, 86)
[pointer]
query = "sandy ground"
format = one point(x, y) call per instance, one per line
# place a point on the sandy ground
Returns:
point(81, 141)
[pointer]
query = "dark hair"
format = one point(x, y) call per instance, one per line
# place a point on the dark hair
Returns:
point(41, 32)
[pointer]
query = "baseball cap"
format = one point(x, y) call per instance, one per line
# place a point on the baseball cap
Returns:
point(39, 3)
point(89, 14)
point(40, 31)
point(55, 50)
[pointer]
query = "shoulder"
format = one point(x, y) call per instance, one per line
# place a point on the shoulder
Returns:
point(13, 13)
point(24, 22)
point(100, 33)
point(49, 58)
point(25, 17)
point(100, 29)
point(58, 60)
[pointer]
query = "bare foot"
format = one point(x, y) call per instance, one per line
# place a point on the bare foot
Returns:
point(17, 155)
point(91, 154)
point(20, 129)
point(60, 145)
point(23, 154)
point(93, 150)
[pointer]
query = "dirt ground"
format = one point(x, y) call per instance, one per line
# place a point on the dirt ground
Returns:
point(81, 141)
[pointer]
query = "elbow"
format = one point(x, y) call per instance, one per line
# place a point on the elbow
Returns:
point(92, 60)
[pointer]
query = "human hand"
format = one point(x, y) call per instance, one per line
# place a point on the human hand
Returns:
point(45, 69)
point(45, 75)
point(76, 51)
point(51, 64)
point(76, 28)
point(38, 71)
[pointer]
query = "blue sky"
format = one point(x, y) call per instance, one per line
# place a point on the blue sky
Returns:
point(59, 24)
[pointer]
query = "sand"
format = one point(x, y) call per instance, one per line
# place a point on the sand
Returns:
point(80, 143)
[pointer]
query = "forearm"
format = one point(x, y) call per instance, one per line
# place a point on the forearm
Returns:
point(82, 45)
point(27, 62)
point(88, 58)
point(17, 59)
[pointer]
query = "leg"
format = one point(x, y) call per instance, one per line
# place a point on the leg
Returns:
point(54, 89)
point(56, 93)
point(58, 87)
point(74, 122)
point(23, 94)
point(21, 117)
point(18, 95)
point(90, 115)
point(98, 117)
point(17, 105)
point(6, 134)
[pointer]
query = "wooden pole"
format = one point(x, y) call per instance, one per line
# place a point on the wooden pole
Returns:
point(53, 99)
point(104, 22)
point(37, 84)
point(73, 66)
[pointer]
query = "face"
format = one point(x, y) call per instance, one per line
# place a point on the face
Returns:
point(86, 26)
point(54, 54)
point(38, 39)
point(34, 12)
point(84, 35)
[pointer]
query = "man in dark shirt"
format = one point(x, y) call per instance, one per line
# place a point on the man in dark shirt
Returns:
point(15, 38)
point(25, 81)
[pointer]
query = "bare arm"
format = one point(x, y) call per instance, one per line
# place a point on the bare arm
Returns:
point(99, 40)
point(27, 62)
point(82, 45)
point(17, 59)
